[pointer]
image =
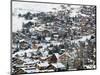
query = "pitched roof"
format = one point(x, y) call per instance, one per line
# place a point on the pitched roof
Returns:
point(58, 65)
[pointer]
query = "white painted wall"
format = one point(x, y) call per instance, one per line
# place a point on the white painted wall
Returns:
point(5, 37)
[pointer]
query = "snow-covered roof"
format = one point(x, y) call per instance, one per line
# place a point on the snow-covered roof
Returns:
point(75, 27)
point(55, 42)
point(31, 70)
point(45, 64)
point(22, 52)
point(51, 70)
point(48, 38)
point(58, 65)
point(57, 55)
point(21, 40)
point(43, 57)
point(45, 53)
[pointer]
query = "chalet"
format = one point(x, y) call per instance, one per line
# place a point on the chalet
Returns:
point(34, 46)
point(45, 33)
point(23, 44)
point(54, 58)
point(42, 59)
point(55, 34)
point(29, 54)
point(48, 39)
point(57, 66)
point(33, 36)
point(64, 57)
point(42, 66)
